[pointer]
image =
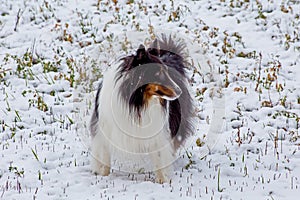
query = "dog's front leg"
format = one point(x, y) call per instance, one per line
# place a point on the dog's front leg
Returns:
point(163, 164)
point(100, 162)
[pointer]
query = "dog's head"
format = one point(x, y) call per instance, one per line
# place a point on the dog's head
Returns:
point(146, 76)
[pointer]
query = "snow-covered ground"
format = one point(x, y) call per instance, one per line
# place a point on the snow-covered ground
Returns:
point(53, 52)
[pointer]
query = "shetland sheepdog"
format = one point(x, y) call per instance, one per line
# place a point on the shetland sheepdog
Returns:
point(143, 106)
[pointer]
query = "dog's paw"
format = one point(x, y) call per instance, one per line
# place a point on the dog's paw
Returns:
point(162, 176)
point(100, 169)
point(162, 180)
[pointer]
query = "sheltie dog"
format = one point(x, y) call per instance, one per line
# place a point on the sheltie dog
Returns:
point(143, 106)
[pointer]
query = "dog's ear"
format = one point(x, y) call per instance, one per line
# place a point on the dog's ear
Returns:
point(141, 52)
point(154, 48)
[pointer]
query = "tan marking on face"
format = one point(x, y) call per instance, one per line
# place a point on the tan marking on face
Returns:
point(157, 90)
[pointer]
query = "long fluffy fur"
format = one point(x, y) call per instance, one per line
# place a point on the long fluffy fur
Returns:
point(182, 109)
point(122, 114)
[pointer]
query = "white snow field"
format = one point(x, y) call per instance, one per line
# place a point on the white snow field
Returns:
point(245, 77)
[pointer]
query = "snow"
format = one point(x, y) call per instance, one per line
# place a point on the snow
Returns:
point(245, 73)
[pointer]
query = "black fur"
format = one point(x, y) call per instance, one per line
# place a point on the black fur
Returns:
point(97, 99)
point(95, 115)
point(136, 101)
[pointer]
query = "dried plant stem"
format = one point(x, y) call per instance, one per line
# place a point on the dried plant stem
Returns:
point(259, 72)
point(18, 19)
